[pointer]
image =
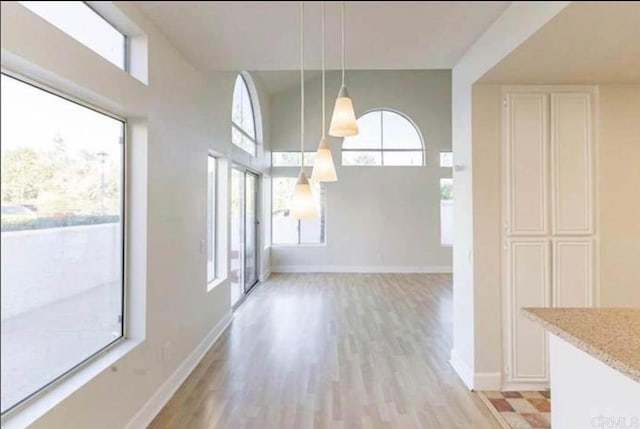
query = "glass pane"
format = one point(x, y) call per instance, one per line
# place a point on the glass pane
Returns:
point(250, 235)
point(284, 228)
point(446, 212)
point(83, 24)
point(398, 132)
point(309, 157)
point(446, 159)
point(237, 234)
point(247, 112)
point(312, 230)
point(211, 219)
point(285, 159)
point(242, 110)
point(244, 143)
point(62, 249)
point(370, 136)
point(236, 107)
point(291, 159)
point(402, 158)
point(361, 158)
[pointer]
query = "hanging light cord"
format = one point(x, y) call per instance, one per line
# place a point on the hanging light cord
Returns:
point(342, 14)
point(302, 79)
point(323, 78)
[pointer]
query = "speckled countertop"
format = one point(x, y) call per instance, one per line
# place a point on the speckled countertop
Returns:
point(611, 335)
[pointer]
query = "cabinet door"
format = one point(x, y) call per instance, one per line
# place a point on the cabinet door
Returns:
point(572, 273)
point(571, 162)
point(528, 277)
point(527, 165)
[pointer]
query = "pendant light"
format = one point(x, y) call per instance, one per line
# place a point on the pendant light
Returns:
point(324, 169)
point(343, 121)
point(303, 205)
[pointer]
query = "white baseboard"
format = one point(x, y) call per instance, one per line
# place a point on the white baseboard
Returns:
point(265, 276)
point(487, 381)
point(361, 269)
point(463, 370)
point(507, 387)
point(160, 398)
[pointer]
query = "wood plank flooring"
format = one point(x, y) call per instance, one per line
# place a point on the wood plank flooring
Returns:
point(332, 351)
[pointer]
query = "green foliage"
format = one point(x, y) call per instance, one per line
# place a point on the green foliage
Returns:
point(57, 182)
point(446, 191)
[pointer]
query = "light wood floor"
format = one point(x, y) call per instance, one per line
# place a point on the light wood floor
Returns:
point(333, 351)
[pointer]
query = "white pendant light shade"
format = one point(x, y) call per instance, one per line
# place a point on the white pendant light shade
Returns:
point(303, 205)
point(323, 168)
point(343, 121)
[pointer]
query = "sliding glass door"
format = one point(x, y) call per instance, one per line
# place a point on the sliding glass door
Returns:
point(244, 233)
point(250, 231)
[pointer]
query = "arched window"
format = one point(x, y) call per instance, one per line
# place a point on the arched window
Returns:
point(243, 123)
point(386, 138)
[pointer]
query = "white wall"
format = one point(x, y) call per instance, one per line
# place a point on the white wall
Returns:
point(391, 214)
point(618, 194)
point(174, 121)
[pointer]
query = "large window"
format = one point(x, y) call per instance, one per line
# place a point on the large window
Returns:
point(284, 228)
point(386, 138)
point(243, 124)
point(211, 218)
point(62, 236)
point(82, 23)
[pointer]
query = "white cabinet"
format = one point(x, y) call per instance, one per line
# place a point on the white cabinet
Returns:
point(528, 272)
point(572, 164)
point(527, 166)
point(573, 272)
point(548, 213)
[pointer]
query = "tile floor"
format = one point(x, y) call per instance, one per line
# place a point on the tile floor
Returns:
point(520, 410)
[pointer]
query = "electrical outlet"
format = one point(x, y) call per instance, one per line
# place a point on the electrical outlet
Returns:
point(203, 246)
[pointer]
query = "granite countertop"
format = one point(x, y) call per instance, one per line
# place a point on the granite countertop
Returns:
point(611, 335)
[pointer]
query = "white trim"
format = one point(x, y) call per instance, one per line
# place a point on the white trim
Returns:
point(520, 386)
point(154, 405)
point(215, 283)
point(487, 381)
point(265, 276)
point(361, 269)
point(462, 369)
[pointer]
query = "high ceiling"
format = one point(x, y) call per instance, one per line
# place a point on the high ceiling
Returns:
point(588, 42)
point(240, 35)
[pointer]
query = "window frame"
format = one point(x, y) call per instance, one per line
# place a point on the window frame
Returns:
point(382, 149)
point(125, 43)
point(213, 234)
point(238, 127)
point(124, 305)
point(322, 214)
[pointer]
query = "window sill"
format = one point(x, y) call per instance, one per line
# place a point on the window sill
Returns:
point(215, 283)
point(32, 409)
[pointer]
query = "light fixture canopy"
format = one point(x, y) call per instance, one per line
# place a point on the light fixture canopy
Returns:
point(343, 120)
point(324, 169)
point(303, 205)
